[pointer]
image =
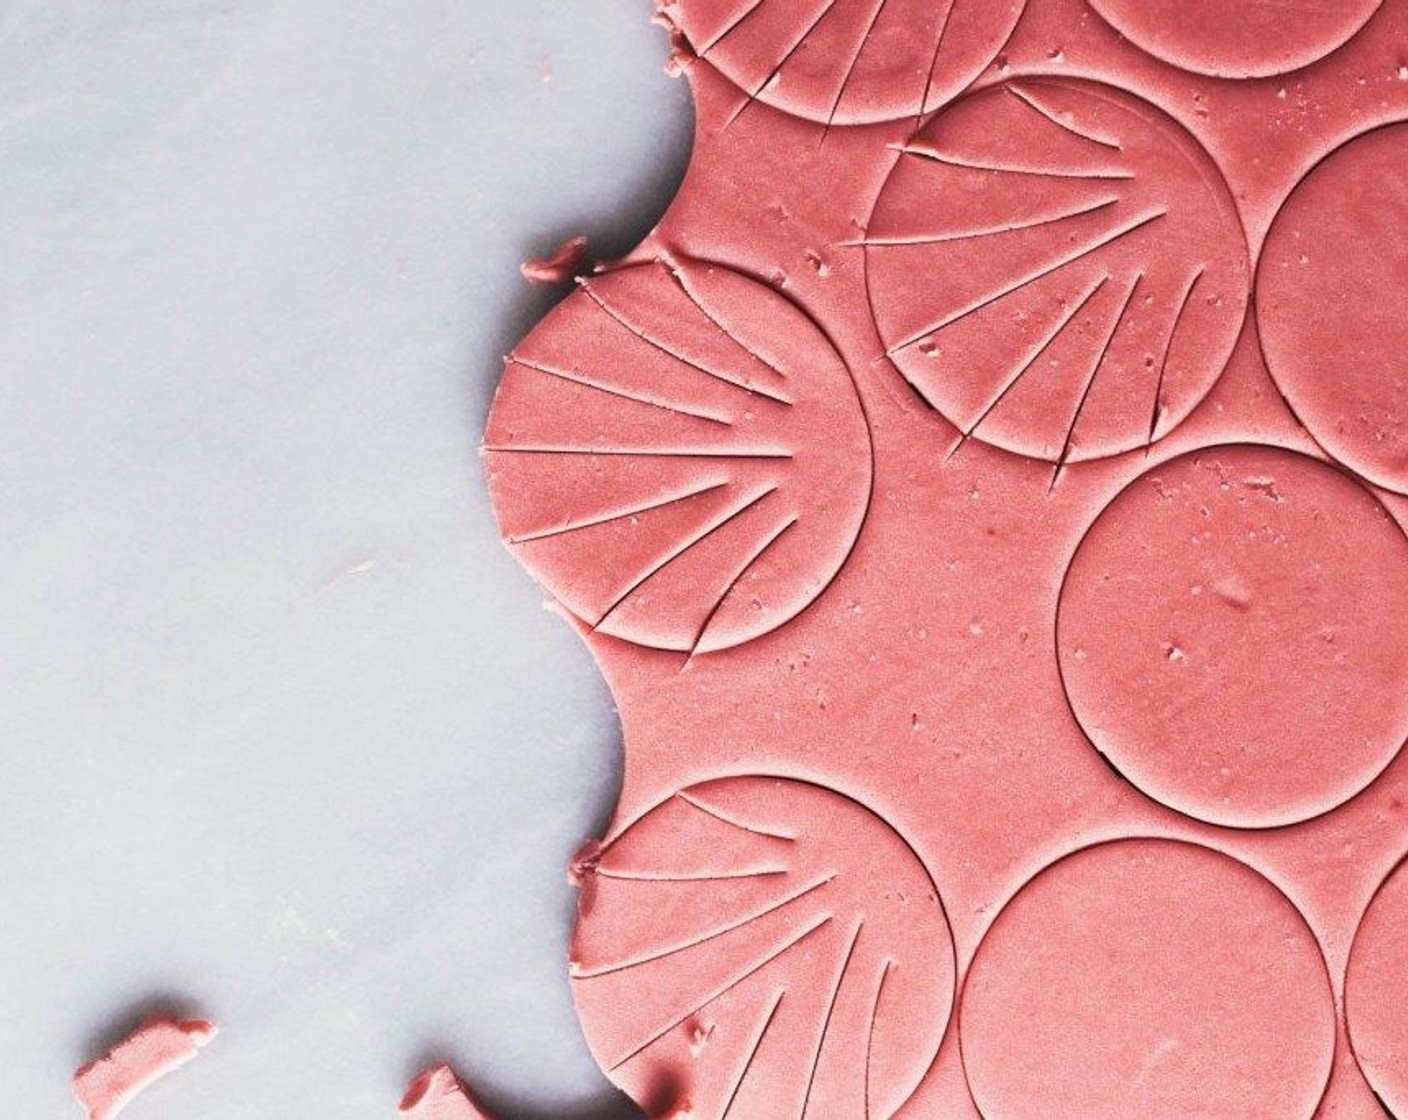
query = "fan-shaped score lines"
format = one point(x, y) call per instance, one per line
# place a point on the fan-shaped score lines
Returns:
point(679, 455)
point(766, 947)
point(1058, 268)
point(847, 61)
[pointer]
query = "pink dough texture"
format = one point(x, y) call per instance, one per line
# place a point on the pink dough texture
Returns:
point(105, 1086)
point(565, 262)
point(984, 493)
point(438, 1094)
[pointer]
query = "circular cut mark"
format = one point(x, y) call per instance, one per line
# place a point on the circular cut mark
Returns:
point(1224, 636)
point(1331, 290)
point(679, 455)
point(765, 944)
point(848, 62)
point(1148, 978)
point(1058, 268)
point(1237, 38)
point(1374, 986)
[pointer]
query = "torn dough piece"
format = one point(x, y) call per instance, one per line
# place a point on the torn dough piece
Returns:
point(439, 1094)
point(561, 266)
point(105, 1086)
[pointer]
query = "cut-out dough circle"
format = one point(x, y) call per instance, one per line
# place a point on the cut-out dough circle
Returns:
point(1148, 978)
point(1332, 288)
point(1237, 38)
point(680, 456)
point(1374, 987)
point(848, 61)
point(1224, 641)
point(762, 945)
point(1058, 268)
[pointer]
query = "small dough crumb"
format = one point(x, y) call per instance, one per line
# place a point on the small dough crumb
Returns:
point(567, 261)
point(438, 1094)
point(105, 1086)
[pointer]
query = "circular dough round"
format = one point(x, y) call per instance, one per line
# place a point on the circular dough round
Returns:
point(854, 62)
point(1237, 38)
point(1058, 268)
point(679, 455)
point(1148, 978)
point(1223, 635)
point(1331, 290)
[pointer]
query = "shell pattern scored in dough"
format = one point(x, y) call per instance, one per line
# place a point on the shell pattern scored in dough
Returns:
point(846, 62)
point(1058, 269)
point(679, 456)
point(796, 941)
point(1146, 727)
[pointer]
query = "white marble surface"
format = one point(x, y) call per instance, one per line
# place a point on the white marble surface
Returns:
point(285, 737)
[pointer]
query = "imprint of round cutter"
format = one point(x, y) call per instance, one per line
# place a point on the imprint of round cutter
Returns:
point(679, 454)
point(1058, 268)
point(1150, 978)
point(769, 944)
point(1223, 635)
point(853, 62)
point(1332, 289)
point(1374, 986)
point(1237, 38)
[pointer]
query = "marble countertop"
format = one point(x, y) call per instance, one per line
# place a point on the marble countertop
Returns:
point(288, 739)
